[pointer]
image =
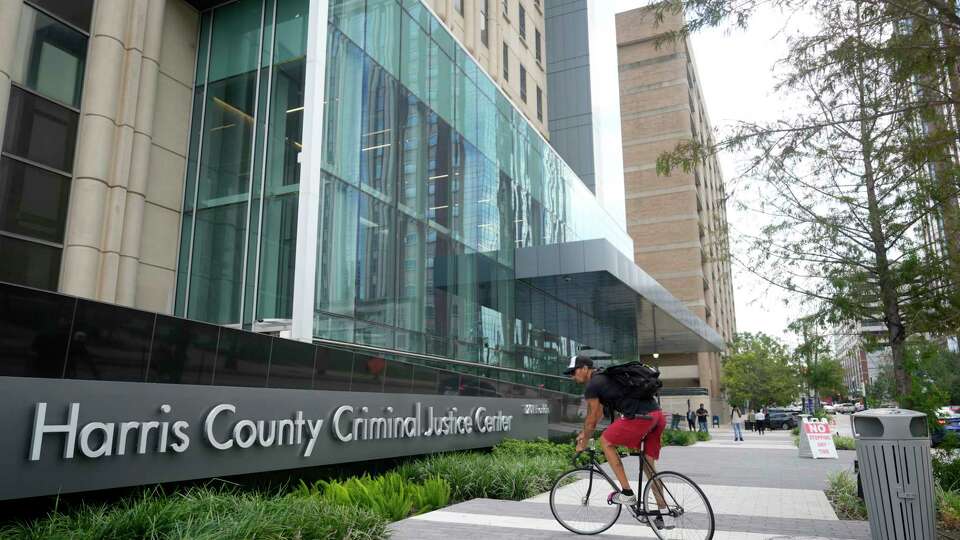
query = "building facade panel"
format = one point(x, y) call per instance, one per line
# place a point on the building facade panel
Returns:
point(678, 222)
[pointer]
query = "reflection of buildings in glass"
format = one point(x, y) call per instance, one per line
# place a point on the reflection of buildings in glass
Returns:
point(432, 180)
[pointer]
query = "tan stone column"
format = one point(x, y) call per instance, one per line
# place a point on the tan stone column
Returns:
point(105, 147)
point(9, 25)
point(140, 160)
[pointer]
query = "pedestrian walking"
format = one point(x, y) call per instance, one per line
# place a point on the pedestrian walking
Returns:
point(702, 415)
point(761, 421)
point(691, 420)
point(752, 420)
point(736, 418)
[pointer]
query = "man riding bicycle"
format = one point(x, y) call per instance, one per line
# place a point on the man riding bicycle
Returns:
point(641, 422)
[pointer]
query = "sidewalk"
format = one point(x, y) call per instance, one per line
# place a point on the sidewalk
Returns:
point(759, 489)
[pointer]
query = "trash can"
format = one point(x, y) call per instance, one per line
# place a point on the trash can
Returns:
point(675, 420)
point(893, 453)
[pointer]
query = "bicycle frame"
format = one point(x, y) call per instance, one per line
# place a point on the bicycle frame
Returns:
point(636, 509)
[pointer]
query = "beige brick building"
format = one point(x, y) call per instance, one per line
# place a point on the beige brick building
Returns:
point(507, 37)
point(678, 223)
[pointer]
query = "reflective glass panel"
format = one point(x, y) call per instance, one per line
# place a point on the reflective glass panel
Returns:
point(334, 368)
point(383, 34)
point(29, 263)
point(369, 373)
point(40, 130)
point(291, 364)
point(399, 378)
point(376, 261)
point(183, 351)
point(415, 57)
point(342, 112)
point(242, 358)
point(235, 43)
point(34, 331)
point(33, 201)
point(337, 270)
point(49, 57)
point(109, 343)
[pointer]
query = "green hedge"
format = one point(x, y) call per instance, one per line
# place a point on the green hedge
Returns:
point(207, 513)
point(391, 496)
point(676, 437)
point(844, 443)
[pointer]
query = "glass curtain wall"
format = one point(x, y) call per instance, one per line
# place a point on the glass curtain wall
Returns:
point(432, 179)
point(36, 157)
point(238, 235)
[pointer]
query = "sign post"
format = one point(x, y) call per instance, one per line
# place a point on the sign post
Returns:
point(816, 439)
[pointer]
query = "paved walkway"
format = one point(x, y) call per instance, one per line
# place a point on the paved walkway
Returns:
point(759, 489)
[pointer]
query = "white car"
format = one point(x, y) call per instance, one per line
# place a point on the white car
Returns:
point(845, 408)
point(829, 408)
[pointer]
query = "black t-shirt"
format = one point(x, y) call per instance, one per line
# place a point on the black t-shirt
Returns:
point(610, 395)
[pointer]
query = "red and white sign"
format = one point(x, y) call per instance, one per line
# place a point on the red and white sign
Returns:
point(816, 439)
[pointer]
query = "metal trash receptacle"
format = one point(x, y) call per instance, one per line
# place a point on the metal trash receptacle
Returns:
point(893, 451)
point(675, 420)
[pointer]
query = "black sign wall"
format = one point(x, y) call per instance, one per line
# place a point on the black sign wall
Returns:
point(62, 436)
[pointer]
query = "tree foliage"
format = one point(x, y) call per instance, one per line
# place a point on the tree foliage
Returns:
point(854, 186)
point(758, 371)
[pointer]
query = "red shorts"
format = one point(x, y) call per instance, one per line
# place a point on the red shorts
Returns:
point(631, 433)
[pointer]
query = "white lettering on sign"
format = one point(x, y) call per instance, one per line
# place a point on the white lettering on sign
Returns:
point(223, 430)
point(99, 439)
point(816, 440)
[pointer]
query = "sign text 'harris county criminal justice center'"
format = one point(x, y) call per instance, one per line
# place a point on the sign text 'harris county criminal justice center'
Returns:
point(63, 436)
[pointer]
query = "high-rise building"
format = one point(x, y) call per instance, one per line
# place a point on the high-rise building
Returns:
point(678, 223)
point(585, 112)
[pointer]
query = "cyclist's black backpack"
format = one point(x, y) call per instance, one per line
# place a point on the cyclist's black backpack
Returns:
point(638, 380)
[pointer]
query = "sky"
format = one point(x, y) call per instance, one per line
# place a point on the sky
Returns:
point(736, 71)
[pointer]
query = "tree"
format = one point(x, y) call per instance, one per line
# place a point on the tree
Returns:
point(758, 372)
point(845, 186)
point(821, 374)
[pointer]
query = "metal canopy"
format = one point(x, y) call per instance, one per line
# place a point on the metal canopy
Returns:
point(598, 278)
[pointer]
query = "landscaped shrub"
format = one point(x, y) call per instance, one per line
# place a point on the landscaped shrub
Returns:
point(795, 431)
point(391, 496)
point(207, 513)
point(946, 469)
point(844, 443)
point(539, 448)
point(675, 437)
point(703, 436)
point(842, 493)
point(948, 508)
point(473, 475)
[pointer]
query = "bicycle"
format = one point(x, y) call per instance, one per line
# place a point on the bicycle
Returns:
point(581, 501)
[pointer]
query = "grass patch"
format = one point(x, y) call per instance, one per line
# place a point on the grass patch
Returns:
point(948, 508)
point(844, 443)
point(842, 493)
point(220, 513)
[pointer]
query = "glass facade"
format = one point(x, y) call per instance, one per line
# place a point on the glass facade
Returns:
point(36, 157)
point(432, 180)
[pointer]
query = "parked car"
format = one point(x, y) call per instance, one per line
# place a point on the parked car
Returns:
point(845, 408)
point(783, 418)
point(829, 408)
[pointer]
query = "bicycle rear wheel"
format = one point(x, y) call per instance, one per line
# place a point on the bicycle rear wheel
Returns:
point(687, 515)
point(579, 501)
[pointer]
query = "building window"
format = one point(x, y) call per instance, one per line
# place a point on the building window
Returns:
point(539, 104)
point(522, 21)
point(506, 63)
point(506, 8)
point(50, 57)
point(538, 46)
point(458, 5)
point(39, 140)
point(523, 83)
point(484, 23)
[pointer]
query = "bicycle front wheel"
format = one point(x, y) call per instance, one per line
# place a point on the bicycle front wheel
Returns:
point(579, 501)
point(682, 505)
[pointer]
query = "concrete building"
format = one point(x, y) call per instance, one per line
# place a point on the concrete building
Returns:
point(584, 120)
point(678, 223)
point(861, 364)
